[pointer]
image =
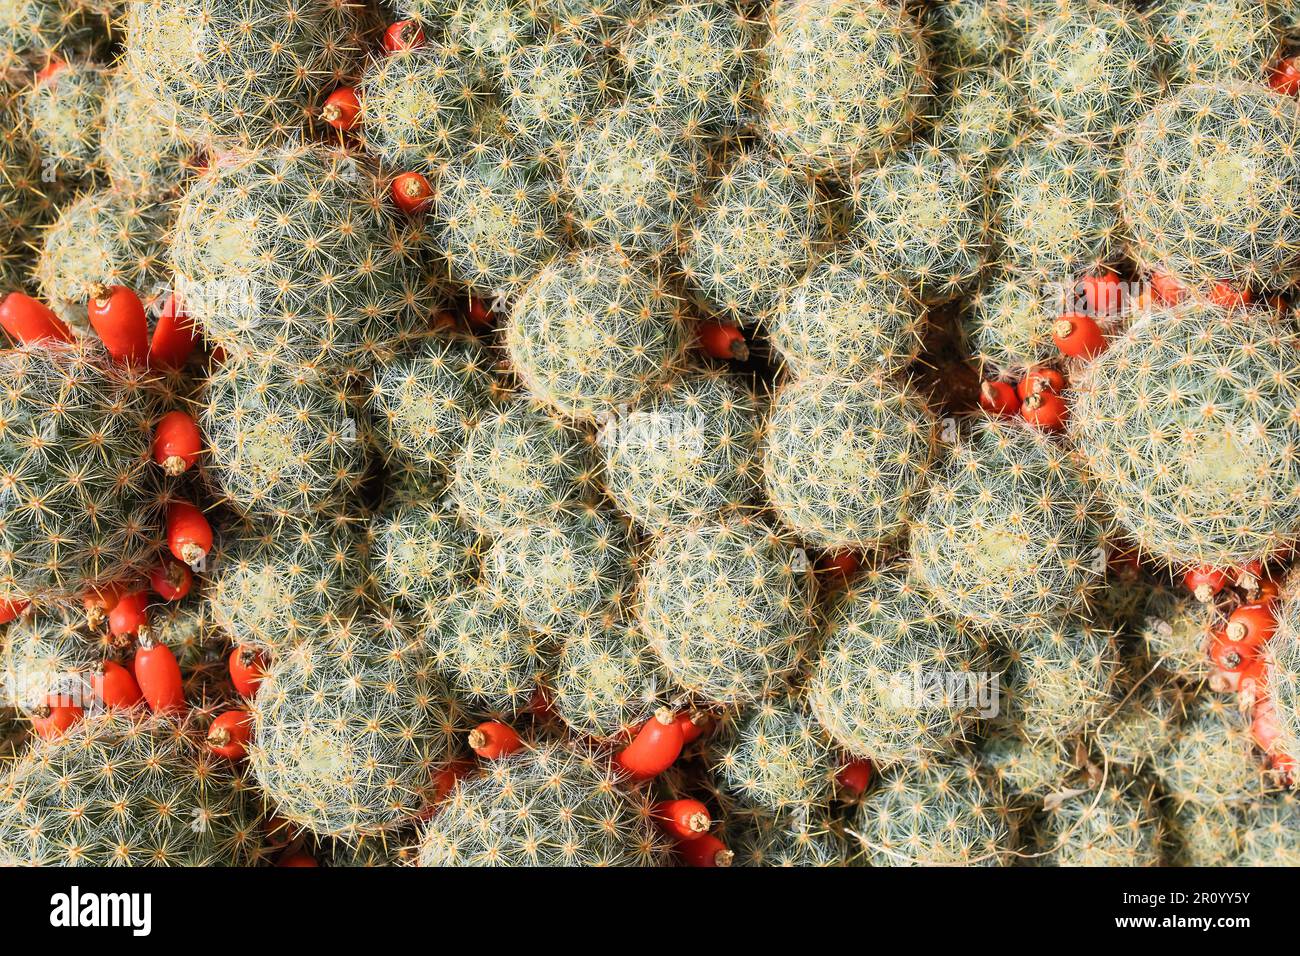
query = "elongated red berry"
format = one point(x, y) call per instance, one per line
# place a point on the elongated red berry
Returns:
point(170, 579)
point(708, 850)
point(492, 740)
point(683, 819)
point(480, 312)
point(341, 109)
point(176, 442)
point(28, 321)
point(51, 722)
point(444, 781)
point(100, 600)
point(1205, 582)
point(1233, 657)
point(174, 336)
point(189, 536)
point(9, 610)
point(1041, 378)
point(115, 686)
point(412, 193)
point(247, 668)
point(1284, 76)
point(1228, 296)
point(999, 398)
point(159, 677)
point(403, 35)
point(654, 749)
point(722, 340)
point(692, 725)
point(1167, 289)
point(1078, 336)
point(855, 776)
point(229, 734)
point(130, 615)
point(118, 316)
point(1046, 410)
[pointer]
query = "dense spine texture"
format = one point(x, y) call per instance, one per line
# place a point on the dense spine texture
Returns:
point(65, 110)
point(1211, 760)
point(606, 681)
point(777, 757)
point(1216, 40)
point(1114, 826)
point(419, 107)
point(422, 551)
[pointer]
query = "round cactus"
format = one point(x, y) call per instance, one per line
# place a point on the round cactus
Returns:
point(1116, 826)
point(726, 606)
point(1211, 759)
point(1060, 678)
point(1211, 186)
point(845, 81)
point(894, 680)
point(549, 92)
point(594, 330)
point(606, 681)
point(1216, 40)
point(765, 840)
point(755, 237)
point(934, 813)
point(1008, 326)
point(983, 116)
point(847, 319)
point(123, 789)
point(1206, 835)
point(598, 24)
point(485, 33)
point(1186, 424)
point(1024, 766)
point(553, 805)
point(520, 466)
point(49, 653)
point(31, 31)
point(845, 460)
point(143, 153)
point(422, 552)
point(239, 71)
point(350, 729)
point(1144, 723)
point(1270, 836)
point(1282, 660)
point(688, 454)
point(65, 113)
point(1008, 536)
point(81, 506)
point(922, 215)
point(27, 193)
point(1173, 632)
point(969, 34)
point(777, 758)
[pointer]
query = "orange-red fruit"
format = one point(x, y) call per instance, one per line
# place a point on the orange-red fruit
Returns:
point(174, 336)
point(654, 749)
point(171, 580)
point(118, 317)
point(403, 35)
point(1249, 576)
point(189, 536)
point(692, 725)
point(684, 819)
point(1284, 76)
point(100, 600)
point(412, 193)
point(492, 740)
point(115, 686)
point(27, 320)
point(1102, 293)
point(298, 859)
point(11, 609)
point(1205, 582)
point(1167, 289)
point(341, 108)
point(1233, 657)
point(56, 721)
point(708, 850)
point(247, 669)
point(176, 442)
point(1046, 410)
point(444, 781)
point(1251, 624)
point(1264, 727)
point(722, 340)
point(229, 734)
point(1040, 379)
point(1228, 296)
point(839, 564)
point(479, 312)
point(129, 615)
point(159, 677)
point(855, 776)
point(999, 398)
point(1078, 336)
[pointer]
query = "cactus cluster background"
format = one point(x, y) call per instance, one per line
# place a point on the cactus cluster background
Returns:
point(649, 432)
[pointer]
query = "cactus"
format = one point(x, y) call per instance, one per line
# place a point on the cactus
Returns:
point(1216, 40)
point(845, 461)
point(983, 116)
point(284, 440)
point(846, 318)
point(922, 215)
point(934, 813)
point(1024, 766)
point(107, 238)
point(969, 34)
point(49, 653)
point(553, 805)
point(755, 237)
point(1205, 835)
point(65, 114)
point(1211, 759)
point(1184, 423)
point(485, 33)
point(689, 454)
point(764, 840)
point(1211, 186)
point(245, 72)
point(350, 728)
point(594, 330)
point(1008, 326)
point(559, 572)
point(421, 552)
point(31, 31)
point(426, 399)
point(82, 505)
point(633, 179)
point(726, 606)
point(597, 24)
point(893, 680)
point(418, 107)
point(549, 92)
point(520, 465)
point(484, 651)
point(290, 249)
point(845, 81)
point(1269, 838)
point(1008, 537)
point(1091, 69)
point(1060, 678)
point(1173, 633)
point(27, 193)
point(124, 789)
point(606, 682)
point(143, 153)
point(1057, 208)
point(497, 219)
point(1144, 723)
point(1114, 826)
point(693, 60)
point(1282, 662)
point(287, 585)
point(776, 757)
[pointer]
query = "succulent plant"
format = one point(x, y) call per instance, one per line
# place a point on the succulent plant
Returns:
point(1023, 765)
point(1216, 40)
point(762, 839)
point(49, 653)
point(726, 606)
point(598, 24)
point(422, 551)
point(65, 112)
point(1144, 723)
point(143, 153)
point(983, 116)
point(485, 33)
point(27, 193)
point(32, 30)
point(1061, 678)
point(606, 682)
point(1206, 835)
point(1184, 424)
point(1211, 759)
point(1008, 326)
point(549, 92)
point(1173, 633)
point(776, 757)
point(846, 460)
point(1117, 825)
point(1269, 837)
point(969, 34)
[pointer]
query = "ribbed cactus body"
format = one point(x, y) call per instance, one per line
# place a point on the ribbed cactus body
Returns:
point(726, 606)
point(1185, 423)
point(82, 505)
point(606, 681)
point(893, 679)
point(124, 789)
point(1118, 826)
point(1211, 185)
point(1008, 536)
point(350, 729)
point(845, 81)
point(1216, 40)
point(594, 330)
point(1211, 759)
point(845, 460)
point(1008, 326)
point(1060, 678)
point(777, 757)
point(422, 551)
point(65, 113)
point(689, 453)
point(555, 805)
